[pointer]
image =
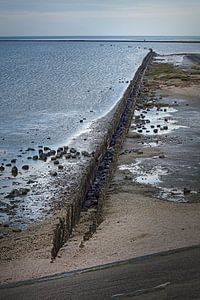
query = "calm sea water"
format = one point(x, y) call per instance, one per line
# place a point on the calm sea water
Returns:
point(47, 87)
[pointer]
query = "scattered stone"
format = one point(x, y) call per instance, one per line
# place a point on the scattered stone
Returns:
point(47, 149)
point(16, 230)
point(161, 156)
point(155, 130)
point(85, 153)
point(18, 193)
point(25, 167)
point(8, 165)
point(43, 156)
point(56, 162)
point(13, 161)
point(14, 171)
point(35, 157)
point(2, 168)
point(73, 150)
point(60, 167)
point(53, 173)
point(60, 149)
point(68, 155)
point(81, 245)
point(30, 149)
point(30, 181)
point(186, 191)
point(52, 152)
point(140, 152)
point(6, 225)
point(133, 135)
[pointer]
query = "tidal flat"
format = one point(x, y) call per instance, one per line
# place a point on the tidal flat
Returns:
point(141, 215)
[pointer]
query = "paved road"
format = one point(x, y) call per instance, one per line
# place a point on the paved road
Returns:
point(166, 275)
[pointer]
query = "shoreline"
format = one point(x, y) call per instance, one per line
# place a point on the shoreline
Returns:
point(157, 225)
point(68, 208)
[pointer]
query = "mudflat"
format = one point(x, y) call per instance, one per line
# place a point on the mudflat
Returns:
point(153, 201)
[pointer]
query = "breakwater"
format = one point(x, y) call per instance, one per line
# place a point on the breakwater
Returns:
point(97, 176)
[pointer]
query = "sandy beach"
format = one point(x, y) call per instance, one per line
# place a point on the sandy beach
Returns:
point(138, 219)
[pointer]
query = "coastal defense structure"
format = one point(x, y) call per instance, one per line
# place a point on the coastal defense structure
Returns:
point(95, 181)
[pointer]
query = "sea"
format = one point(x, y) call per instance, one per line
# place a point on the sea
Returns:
point(54, 88)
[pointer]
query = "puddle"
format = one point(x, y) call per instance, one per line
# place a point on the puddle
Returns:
point(154, 121)
point(176, 60)
point(144, 173)
point(171, 194)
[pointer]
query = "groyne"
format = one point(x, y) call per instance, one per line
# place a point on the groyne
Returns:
point(96, 178)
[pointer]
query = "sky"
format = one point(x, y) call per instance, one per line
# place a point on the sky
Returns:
point(99, 17)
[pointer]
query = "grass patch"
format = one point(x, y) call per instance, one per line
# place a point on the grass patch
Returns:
point(164, 71)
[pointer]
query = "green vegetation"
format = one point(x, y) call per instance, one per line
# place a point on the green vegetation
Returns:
point(165, 71)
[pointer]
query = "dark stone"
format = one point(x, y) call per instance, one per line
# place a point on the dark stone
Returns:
point(53, 173)
point(16, 230)
point(30, 149)
point(2, 168)
point(52, 152)
point(155, 130)
point(13, 161)
point(161, 156)
point(60, 167)
point(165, 127)
point(47, 149)
point(25, 167)
point(43, 157)
point(30, 181)
point(81, 121)
point(85, 153)
point(18, 193)
point(35, 157)
point(60, 149)
point(56, 162)
point(186, 191)
point(8, 165)
point(14, 171)
point(73, 150)
point(68, 155)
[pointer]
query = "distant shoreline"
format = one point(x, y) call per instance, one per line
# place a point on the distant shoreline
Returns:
point(96, 40)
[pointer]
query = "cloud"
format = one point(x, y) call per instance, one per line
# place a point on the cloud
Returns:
point(76, 17)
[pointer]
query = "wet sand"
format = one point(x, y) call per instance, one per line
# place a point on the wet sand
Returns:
point(137, 220)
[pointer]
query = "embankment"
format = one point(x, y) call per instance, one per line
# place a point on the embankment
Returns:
point(97, 176)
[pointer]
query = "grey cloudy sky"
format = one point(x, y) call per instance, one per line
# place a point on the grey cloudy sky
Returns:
point(99, 17)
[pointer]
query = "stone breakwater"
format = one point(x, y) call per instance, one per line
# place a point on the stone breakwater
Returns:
point(94, 183)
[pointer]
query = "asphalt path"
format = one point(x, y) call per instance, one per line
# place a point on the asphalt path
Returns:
point(167, 275)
